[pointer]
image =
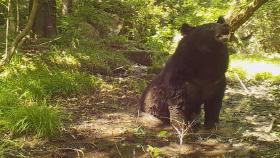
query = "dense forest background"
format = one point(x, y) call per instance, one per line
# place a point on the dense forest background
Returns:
point(72, 71)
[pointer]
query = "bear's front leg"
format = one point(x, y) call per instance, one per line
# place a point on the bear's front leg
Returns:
point(213, 106)
point(191, 114)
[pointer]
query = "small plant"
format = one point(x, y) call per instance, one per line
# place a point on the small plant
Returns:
point(163, 134)
point(153, 151)
point(182, 129)
point(140, 131)
point(138, 85)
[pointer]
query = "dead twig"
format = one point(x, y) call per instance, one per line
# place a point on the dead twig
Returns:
point(268, 129)
point(120, 154)
point(240, 81)
point(182, 131)
point(47, 42)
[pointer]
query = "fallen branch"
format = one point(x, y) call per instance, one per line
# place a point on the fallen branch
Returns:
point(240, 81)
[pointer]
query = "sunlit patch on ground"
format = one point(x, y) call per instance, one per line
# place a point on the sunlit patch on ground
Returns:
point(108, 125)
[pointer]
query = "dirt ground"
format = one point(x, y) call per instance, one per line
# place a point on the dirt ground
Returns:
point(105, 123)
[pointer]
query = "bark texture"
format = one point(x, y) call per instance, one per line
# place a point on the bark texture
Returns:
point(45, 22)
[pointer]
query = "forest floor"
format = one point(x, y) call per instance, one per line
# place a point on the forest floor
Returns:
point(106, 123)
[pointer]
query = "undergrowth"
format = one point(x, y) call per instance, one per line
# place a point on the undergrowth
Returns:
point(28, 86)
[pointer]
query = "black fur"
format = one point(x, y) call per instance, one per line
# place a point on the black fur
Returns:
point(193, 76)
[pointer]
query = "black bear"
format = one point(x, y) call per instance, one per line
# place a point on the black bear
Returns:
point(193, 76)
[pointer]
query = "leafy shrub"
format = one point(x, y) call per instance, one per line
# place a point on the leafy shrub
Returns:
point(263, 76)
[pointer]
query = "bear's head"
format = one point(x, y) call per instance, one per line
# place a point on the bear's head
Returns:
point(207, 33)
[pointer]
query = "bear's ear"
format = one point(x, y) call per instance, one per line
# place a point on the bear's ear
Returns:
point(221, 20)
point(186, 28)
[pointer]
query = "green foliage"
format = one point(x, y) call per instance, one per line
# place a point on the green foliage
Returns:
point(263, 76)
point(153, 151)
point(8, 99)
point(86, 46)
point(263, 26)
point(41, 119)
point(5, 146)
point(138, 85)
point(41, 82)
point(139, 131)
point(163, 134)
point(148, 21)
point(27, 86)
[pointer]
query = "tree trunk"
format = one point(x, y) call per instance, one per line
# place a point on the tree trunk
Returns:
point(45, 22)
point(235, 21)
point(11, 17)
point(17, 13)
point(67, 6)
point(8, 55)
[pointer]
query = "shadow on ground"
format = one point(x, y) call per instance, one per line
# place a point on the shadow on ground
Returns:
point(105, 123)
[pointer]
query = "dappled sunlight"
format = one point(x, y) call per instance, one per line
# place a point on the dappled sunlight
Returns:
point(261, 128)
point(253, 68)
point(18, 68)
point(75, 83)
point(108, 125)
point(83, 56)
point(106, 87)
point(65, 59)
point(4, 74)
point(207, 147)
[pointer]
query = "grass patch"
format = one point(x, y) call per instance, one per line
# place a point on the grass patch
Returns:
point(41, 120)
point(26, 88)
point(6, 146)
point(93, 60)
point(102, 59)
point(28, 84)
point(41, 82)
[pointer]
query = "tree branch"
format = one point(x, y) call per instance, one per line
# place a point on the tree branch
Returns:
point(7, 56)
point(235, 21)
